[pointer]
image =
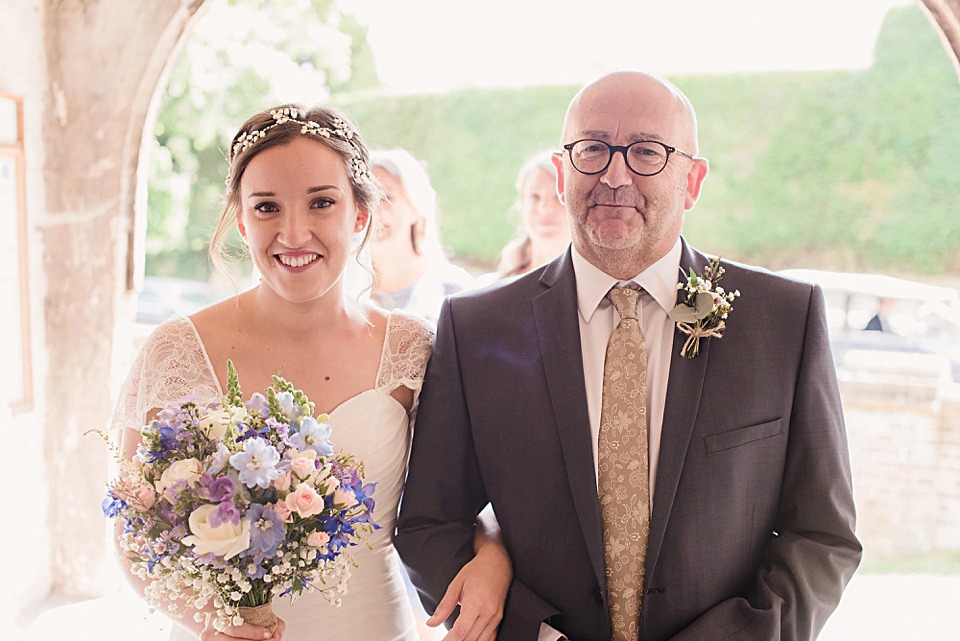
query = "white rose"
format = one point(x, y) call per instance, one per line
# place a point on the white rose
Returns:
point(234, 415)
point(188, 470)
point(227, 540)
point(215, 423)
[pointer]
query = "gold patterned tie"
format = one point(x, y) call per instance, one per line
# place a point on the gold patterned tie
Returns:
point(623, 466)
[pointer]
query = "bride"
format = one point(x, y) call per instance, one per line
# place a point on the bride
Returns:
point(301, 194)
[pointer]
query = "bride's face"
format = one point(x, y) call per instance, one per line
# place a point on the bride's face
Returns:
point(299, 217)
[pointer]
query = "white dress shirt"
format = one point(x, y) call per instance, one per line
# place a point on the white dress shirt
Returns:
point(598, 318)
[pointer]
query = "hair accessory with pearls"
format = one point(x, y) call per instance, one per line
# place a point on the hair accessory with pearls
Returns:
point(341, 129)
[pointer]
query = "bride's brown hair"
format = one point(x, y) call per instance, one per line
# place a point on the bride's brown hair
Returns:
point(280, 126)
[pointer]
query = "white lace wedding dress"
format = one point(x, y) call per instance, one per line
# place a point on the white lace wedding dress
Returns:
point(371, 425)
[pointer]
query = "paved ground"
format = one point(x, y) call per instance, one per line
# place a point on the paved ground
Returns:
point(874, 608)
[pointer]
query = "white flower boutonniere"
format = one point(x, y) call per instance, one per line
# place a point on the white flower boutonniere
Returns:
point(704, 309)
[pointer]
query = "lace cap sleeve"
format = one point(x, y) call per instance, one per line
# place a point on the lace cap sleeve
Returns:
point(172, 364)
point(406, 350)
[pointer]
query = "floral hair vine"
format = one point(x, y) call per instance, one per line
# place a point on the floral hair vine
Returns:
point(284, 115)
point(703, 311)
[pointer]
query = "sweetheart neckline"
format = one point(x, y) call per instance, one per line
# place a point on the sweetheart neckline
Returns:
point(212, 372)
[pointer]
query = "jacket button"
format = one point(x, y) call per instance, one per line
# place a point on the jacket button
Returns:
point(597, 595)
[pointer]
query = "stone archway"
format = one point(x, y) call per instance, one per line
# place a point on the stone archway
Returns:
point(945, 15)
point(104, 62)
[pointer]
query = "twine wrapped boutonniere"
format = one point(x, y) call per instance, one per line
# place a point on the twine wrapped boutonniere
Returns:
point(704, 308)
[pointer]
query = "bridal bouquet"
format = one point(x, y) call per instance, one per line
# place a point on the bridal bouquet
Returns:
point(238, 503)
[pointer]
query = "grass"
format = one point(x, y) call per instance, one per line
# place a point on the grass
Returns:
point(937, 563)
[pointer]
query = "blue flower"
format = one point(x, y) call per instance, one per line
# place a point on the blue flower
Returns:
point(266, 531)
point(257, 463)
point(112, 506)
point(313, 436)
point(161, 438)
point(340, 532)
point(254, 571)
point(365, 497)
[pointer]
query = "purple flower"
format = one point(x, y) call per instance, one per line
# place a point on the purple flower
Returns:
point(257, 463)
point(221, 489)
point(225, 512)
point(258, 405)
point(266, 530)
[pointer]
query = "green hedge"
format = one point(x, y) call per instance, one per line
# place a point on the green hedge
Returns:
point(851, 170)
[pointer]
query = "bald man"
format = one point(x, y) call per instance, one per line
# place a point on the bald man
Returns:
point(751, 518)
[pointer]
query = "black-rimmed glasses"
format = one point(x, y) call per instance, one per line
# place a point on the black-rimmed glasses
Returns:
point(643, 157)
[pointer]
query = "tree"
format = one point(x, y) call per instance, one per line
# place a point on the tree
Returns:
point(243, 56)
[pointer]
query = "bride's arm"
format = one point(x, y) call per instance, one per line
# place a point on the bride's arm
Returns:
point(480, 588)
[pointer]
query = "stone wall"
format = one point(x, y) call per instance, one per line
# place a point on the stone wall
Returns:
point(903, 424)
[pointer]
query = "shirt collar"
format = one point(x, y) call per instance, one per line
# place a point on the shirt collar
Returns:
point(659, 279)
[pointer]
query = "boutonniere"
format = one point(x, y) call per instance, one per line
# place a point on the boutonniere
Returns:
point(704, 308)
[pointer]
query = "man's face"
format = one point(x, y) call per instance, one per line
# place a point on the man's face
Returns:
point(620, 220)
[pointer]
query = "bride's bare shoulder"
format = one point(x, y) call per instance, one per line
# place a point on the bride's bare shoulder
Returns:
point(220, 315)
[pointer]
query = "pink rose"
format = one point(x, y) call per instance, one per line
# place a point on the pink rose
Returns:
point(282, 482)
point(346, 498)
point(318, 539)
point(146, 497)
point(282, 511)
point(304, 464)
point(324, 479)
point(305, 501)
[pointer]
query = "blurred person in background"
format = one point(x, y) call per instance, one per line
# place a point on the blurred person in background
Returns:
point(544, 232)
point(412, 272)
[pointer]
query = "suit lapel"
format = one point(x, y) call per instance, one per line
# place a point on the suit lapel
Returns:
point(684, 386)
point(558, 332)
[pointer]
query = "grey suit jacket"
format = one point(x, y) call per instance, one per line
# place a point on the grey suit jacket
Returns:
point(752, 533)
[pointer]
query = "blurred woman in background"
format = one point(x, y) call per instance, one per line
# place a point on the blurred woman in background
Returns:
point(412, 270)
point(544, 232)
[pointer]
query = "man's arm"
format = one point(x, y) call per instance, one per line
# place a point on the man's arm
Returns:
point(813, 552)
point(444, 492)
